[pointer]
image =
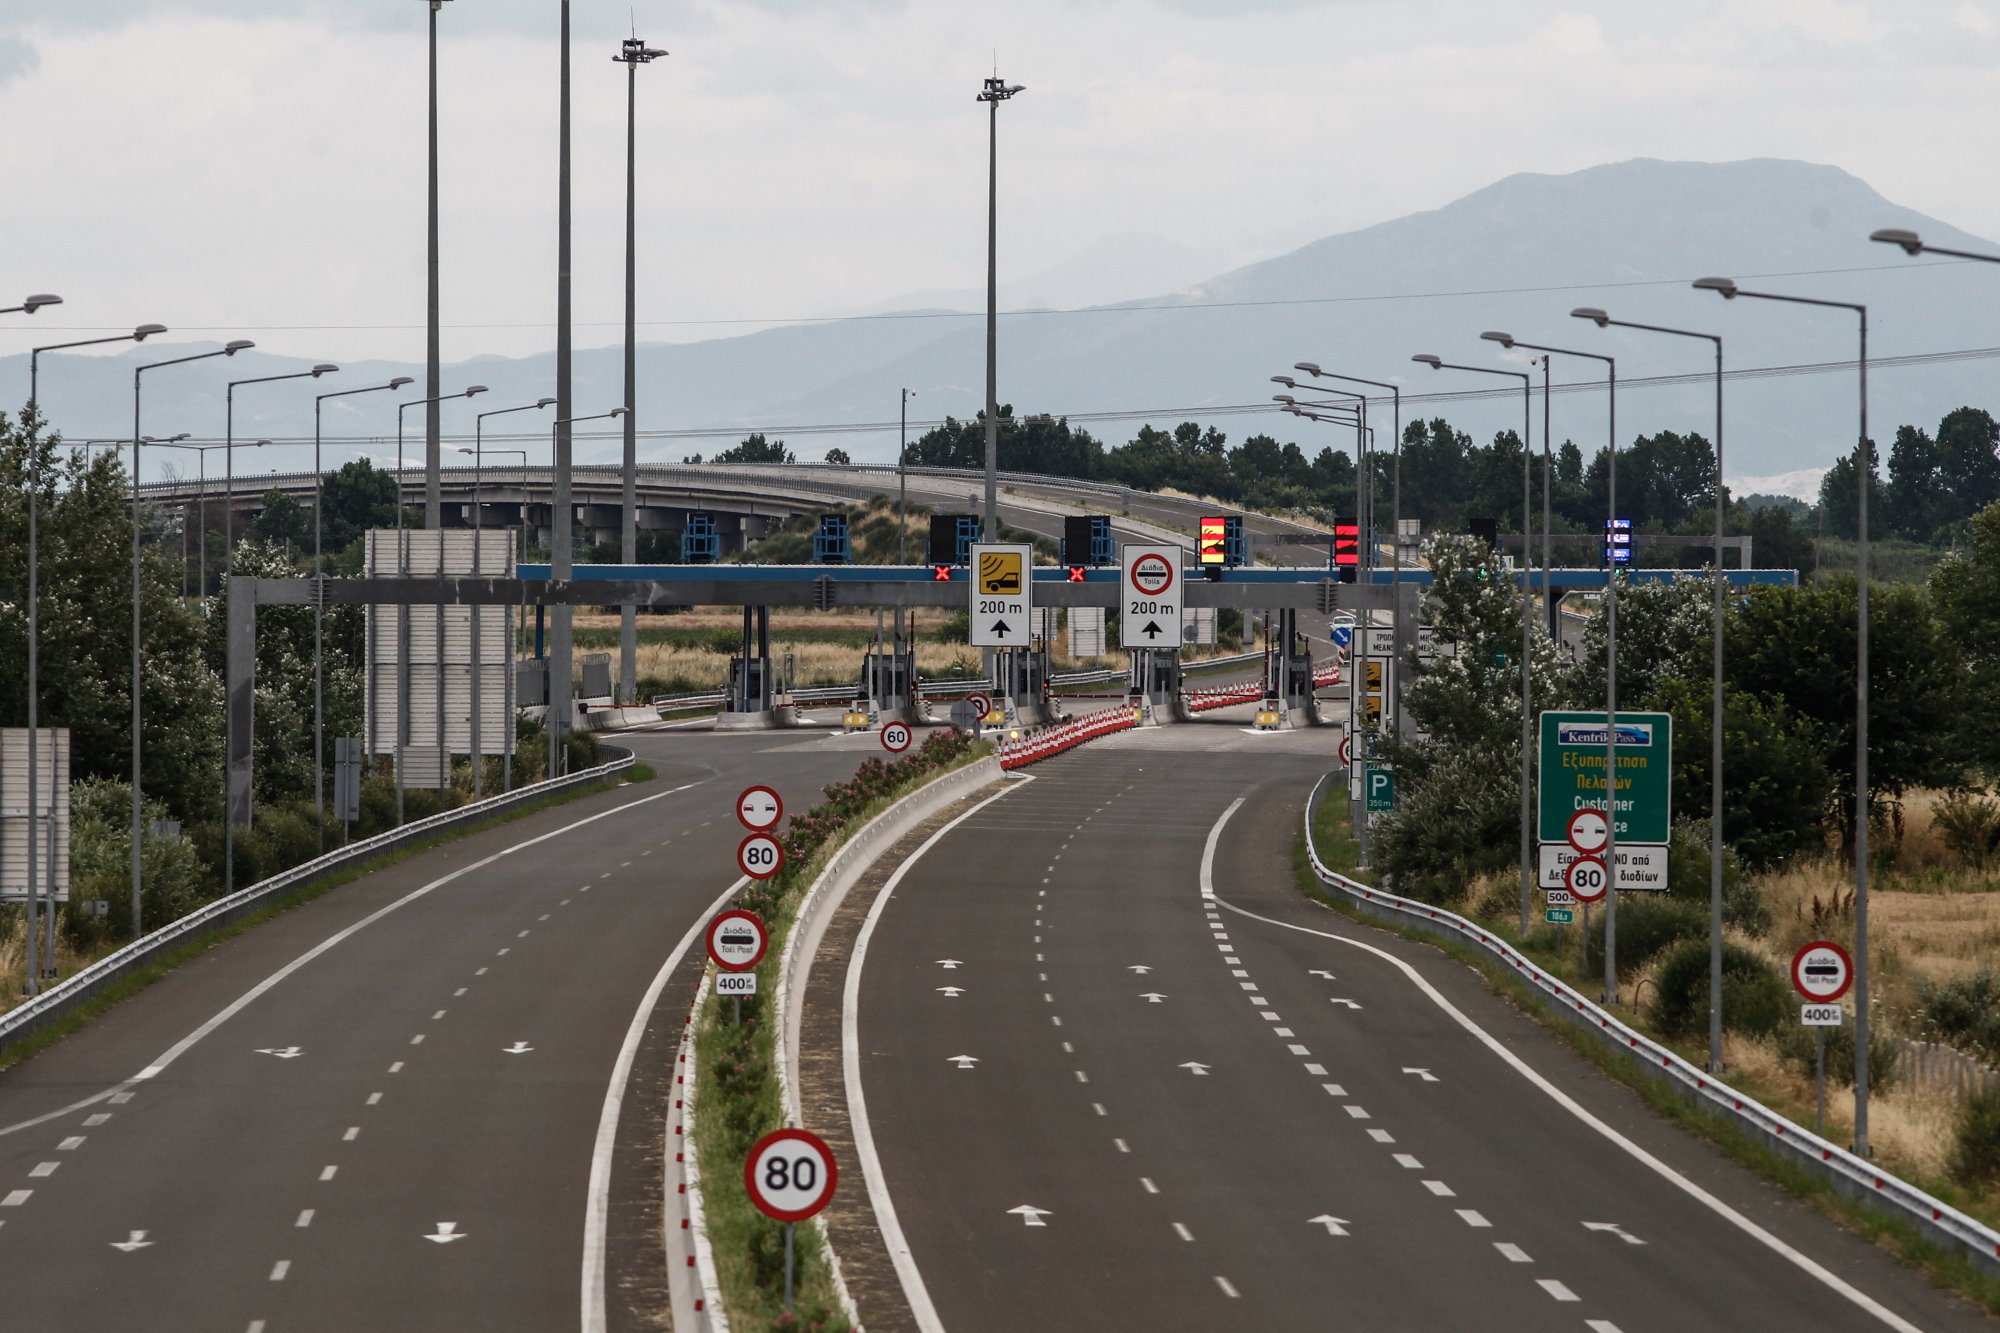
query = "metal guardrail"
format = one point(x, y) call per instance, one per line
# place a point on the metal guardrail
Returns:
point(72, 991)
point(1853, 1176)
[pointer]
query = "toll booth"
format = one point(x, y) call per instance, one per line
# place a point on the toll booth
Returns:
point(1288, 674)
point(1154, 685)
point(1022, 684)
point(888, 682)
point(751, 701)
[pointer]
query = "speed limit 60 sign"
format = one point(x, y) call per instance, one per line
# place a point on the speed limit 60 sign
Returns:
point(790, 1174)
point(896, 737)
point(760, 856)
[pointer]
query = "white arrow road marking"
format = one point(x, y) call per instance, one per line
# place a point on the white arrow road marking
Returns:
point(962, 1061)
point(1423, 1074)
point(137, 1242)
point(518, 1048)
point(1349, 1003)
point(1335, 1226)
point(446, 1233)
point(1030, 1214)
point(1316, 972)
point(949, 963)
point(1199, 1069)
point(282, 1052)
point(1615, 1230)
point(953, 991)
point(1140, 968)
point(1152, 997)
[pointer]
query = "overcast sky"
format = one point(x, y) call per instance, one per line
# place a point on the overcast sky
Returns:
point(228, 173)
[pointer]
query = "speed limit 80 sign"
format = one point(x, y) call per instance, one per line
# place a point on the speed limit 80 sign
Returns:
point(790, 1174)
point(760, 856)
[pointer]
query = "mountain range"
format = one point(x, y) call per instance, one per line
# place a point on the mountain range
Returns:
point(1516, 255)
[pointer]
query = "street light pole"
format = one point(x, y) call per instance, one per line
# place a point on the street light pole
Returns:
point(138, 797)
point(33, 434)
point(633, 53)
point(433, 494)
point(1599, 318)
point(229, 570)
point(319, 611)
point(1865, 474)
point(478, 452)
point(1527, 614)
point(513, 644)
point(995, 92)
point(556, 719)
point(403, 570)
point(1610, 666)
point(903, 500)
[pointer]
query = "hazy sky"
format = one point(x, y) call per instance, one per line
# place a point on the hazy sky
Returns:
point(225, 172)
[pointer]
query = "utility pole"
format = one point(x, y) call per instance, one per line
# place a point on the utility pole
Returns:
point(557, 718)
point(433, 491)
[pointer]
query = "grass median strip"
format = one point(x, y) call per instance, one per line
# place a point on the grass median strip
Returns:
point(739, 1099)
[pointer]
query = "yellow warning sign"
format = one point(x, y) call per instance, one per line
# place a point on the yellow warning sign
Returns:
point(1000, 573)
point(1374, 675)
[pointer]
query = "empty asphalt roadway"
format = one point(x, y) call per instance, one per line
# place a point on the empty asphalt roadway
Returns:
point(382, 1110)
point(1101, 1099)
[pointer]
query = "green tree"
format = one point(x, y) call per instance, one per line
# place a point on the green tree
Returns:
point(1968, 451)
point(1840, 494)
point(284, 520)
point(357, 497)
point(1966, 588)
point(756, 449)
point(1913, 502)
point(838, 457)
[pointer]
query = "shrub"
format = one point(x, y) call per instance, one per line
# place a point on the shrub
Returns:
point(1795, 1045)
point(1754, 997)
point(1646, 927)
point(1975, 1157)
point(1969, 823)
point(1964, 1011)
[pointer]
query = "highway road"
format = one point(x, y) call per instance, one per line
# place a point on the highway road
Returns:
point(1147, 1107)
point(387, 1108)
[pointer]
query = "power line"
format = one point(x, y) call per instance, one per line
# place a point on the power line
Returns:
point(1122, 308)
point(1219, 409)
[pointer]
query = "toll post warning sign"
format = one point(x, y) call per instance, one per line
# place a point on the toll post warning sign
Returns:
point(1001, 593)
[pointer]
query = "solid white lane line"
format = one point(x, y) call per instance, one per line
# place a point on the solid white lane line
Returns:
point(1557, 1289)
point(1183, 1232)
point(1804, 1262)
point(597, 1205)
point(1514, 1254)
point(121, 1092)
point(305, 1218)
point(326, 1173)
point(1227, 1290)
point(914, 1291)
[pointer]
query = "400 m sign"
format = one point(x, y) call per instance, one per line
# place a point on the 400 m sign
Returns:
point(1572, 779)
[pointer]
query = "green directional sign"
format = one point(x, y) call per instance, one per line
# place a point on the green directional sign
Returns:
point(1558, 916)
point(1572, 778)
point(1381, 789)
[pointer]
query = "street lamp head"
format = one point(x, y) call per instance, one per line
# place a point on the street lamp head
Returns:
point(34, 303)
point(1283, 398)
point(615, 412)
point(1591, 313)
point(1903, 236)
point(1727, 286)
point(634, 51)
point(400, 381)
point(324, 368)
point(1309, 367)
point(998, 90)
point(145, 331)
point(1495, 336)
point(258, 444)
point(1432, 361)
point(462, 449)
point(476, 388)
point(1285, 380)
point(545, 402)
point(240, 345)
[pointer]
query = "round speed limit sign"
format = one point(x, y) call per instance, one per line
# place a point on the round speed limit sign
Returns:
point(760, 856)
point(790, 1174)
point(1586, 878)
point(896, 737)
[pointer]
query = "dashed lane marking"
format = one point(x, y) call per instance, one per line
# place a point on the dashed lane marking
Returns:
point(305, 1218)
point(1557, 1289)
point(1514, 1254)
point(1439, 1188)
point(1472, 1217)
point(1227, 1289)
point(279, 1269)
point(1183, 1232)
point(327, 1173)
